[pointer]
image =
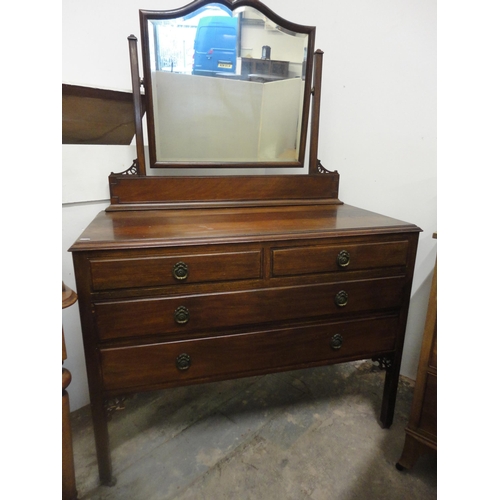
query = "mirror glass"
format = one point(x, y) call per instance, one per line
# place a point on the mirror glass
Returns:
point(226, 86)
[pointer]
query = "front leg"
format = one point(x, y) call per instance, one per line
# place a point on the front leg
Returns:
point(391, 367)
point(101, 435)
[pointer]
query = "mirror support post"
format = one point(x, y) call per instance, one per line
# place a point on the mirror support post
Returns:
point(316, 95)
point(136, 93)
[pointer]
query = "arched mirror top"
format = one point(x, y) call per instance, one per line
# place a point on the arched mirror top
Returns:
point(227, 84)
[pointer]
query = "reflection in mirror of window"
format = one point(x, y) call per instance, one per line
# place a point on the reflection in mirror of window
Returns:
point(214, 41)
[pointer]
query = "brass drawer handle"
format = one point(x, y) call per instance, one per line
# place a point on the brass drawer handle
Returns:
point(183, 361)
point(341, 298)
point(181, 315)
point(336, 341)
point(180, 271)
point(343, 258)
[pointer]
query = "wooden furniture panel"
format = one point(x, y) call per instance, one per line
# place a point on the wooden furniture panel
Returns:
point(421, 432)
point(191, 313)
point(433, 354)
point(96, 116)
point(428, 417)
point(257, 322)
point(332, 258)
point(167, 270)
point(245, 354)
point(154, 229)
point(134, 192)
point(189, 279)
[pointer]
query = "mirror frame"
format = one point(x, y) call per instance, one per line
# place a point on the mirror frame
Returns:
point(146, 15)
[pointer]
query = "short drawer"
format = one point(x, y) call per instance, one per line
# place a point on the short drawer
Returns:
point(335, 258)
point(195, 313)
point(188, 361)
point(109, 274)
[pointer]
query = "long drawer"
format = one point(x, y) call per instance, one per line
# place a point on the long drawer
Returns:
point(171, 363)
point(194, 313)
point(336, 258)
point(118, 273)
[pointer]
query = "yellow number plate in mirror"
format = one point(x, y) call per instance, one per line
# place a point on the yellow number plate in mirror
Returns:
point(225, 65)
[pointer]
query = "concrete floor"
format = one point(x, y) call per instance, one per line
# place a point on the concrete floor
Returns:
point(308, 434)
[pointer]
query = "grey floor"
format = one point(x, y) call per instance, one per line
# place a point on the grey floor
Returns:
point(308, 434)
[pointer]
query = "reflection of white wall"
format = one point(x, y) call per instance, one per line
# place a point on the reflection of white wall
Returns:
point(205, 118)
point(219, 119)
point(279, 122)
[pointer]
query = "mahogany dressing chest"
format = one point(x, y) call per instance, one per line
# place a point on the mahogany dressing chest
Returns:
point(192, 279)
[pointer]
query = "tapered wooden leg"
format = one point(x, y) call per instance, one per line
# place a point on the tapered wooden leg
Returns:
point(390, 393)
point(101, 436)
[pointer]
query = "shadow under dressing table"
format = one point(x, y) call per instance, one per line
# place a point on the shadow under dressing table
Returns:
point(192, 279)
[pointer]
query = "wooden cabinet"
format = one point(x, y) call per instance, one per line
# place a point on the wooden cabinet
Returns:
point(212, 294)
point(421, 432)
point(191, 279)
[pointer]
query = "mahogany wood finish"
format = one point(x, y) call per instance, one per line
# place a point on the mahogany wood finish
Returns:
point(138, 104)
point(185, 280)
point(97, 116)
point(421, 432)
point(264, 289)
point(316, 95)
point(136, 192)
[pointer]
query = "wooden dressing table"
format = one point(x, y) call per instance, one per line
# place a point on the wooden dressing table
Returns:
point(186, 280)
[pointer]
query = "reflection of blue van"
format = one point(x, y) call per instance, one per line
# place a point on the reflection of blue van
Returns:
point(215, 45)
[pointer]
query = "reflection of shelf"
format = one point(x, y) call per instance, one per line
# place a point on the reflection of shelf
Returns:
point(268, 67)
point(253, 77)
point(96, 116)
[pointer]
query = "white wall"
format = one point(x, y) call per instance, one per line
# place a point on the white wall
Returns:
point(378, 123)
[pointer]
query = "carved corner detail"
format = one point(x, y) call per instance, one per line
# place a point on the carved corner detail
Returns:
point(132, 170)
point(384, 362)
point(322, 170)
point(113, 405)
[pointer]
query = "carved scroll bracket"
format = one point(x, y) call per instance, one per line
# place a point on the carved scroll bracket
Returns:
point(384, 362)
point(132, 170)
point(113, 405)
point(322, 170)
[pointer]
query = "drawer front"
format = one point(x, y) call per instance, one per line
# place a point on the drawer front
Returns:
point(195, 313)
point(109, 274)
point(171, 363)
point(335, 258)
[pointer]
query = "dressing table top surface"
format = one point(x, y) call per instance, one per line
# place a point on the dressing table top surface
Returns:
point(155, 228)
